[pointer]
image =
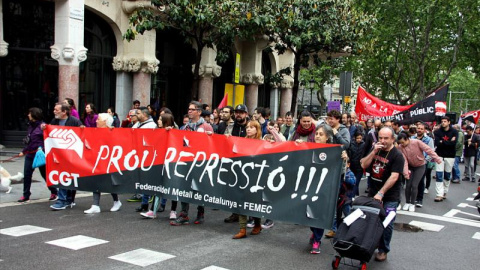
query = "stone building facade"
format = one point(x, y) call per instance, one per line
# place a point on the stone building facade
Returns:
point(53, 49)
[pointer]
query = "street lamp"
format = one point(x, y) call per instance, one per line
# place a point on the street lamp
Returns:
point(312, 85)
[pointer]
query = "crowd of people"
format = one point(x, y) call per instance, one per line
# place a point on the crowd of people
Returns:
point(387, 154)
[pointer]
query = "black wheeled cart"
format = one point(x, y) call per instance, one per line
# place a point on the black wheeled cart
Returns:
point(358, 240)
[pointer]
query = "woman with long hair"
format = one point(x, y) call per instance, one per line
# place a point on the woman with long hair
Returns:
point(165, 121)
point(116, 120)
point(90, 115)
point(254, 131)
point(73, 109)
point(33, 141)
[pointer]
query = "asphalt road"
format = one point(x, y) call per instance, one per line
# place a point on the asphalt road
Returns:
point(454, 244)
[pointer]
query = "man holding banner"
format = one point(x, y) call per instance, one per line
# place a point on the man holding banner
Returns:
point(198, 124)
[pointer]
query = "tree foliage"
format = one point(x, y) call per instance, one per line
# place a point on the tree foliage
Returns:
point(203, 23)
point(465, 90)
point(313, 30)
point(414, 45)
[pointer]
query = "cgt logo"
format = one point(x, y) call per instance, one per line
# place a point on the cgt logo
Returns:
point(64, 139)
point(63, 178)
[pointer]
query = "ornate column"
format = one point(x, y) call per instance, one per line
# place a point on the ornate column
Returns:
point(286, 95)
point(205, 84)
point(3, 44)
point(138, 57)
point(252, 80)
point(208, 70)
point(251, 70)
point(68, 49)
point(274, 100)
point(142, 69)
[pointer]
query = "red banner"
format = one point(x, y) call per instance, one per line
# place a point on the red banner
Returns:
point(286, 181)
point(368, 106)
point(473, 115)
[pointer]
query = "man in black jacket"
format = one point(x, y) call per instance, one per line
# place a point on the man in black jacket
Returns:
point(445, 141)
point(239, 130)
point(62, 118)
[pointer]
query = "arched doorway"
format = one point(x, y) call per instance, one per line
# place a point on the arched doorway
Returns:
point(264, 89)
point(172, 84)
point(28, 74)
point(97, 78)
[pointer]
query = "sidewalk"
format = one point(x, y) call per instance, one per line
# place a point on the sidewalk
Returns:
point(38, 189)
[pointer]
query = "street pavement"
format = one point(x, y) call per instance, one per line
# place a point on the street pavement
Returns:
point(70, 239)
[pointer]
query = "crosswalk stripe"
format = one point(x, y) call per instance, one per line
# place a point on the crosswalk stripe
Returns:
point(142, 257)
point(427, 226)
point(462, 221)
point(77, 242)
point(213, 267)
point(476, 236)
point(23, 230)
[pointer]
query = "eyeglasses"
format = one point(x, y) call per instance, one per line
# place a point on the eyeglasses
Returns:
point(190, 109)
point(132, 115)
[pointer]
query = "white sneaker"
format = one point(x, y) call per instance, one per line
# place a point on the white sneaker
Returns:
point(399, 207)
point(116, 206)
point(406, 207)
point(173, 215)
point(425, 191)
point(93, 210)
point(411, 208)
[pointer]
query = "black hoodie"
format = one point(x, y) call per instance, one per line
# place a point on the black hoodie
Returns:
point(445, 142)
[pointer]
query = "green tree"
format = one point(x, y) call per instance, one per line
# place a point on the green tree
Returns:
point(313, 30)
point(465, 91)
point(203, 23)
point(413, 46)
point(323, 73)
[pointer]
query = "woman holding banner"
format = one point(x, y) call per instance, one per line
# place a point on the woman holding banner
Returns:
point(254, 131)
point(165, 121)
point(104, 120)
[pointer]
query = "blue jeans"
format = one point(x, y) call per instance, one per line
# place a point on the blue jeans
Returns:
point(456, 169)
point(145, 199)
point(346, 211)
point(384, 245)
point(358, 177)
point(317, 234)
point(66, 196)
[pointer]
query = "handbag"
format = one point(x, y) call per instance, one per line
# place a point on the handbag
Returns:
point(39, 159)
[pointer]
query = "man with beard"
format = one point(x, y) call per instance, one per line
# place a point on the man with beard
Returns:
point(445, 141)
point(426, 179)
point(198, 124)
point(227, 121)
point(239, 130)
point(385, 164)
point(62, 118)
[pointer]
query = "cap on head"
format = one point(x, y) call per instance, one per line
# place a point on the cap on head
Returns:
point(241, 107)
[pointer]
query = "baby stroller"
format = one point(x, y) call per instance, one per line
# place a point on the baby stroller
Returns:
point(359, 239)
